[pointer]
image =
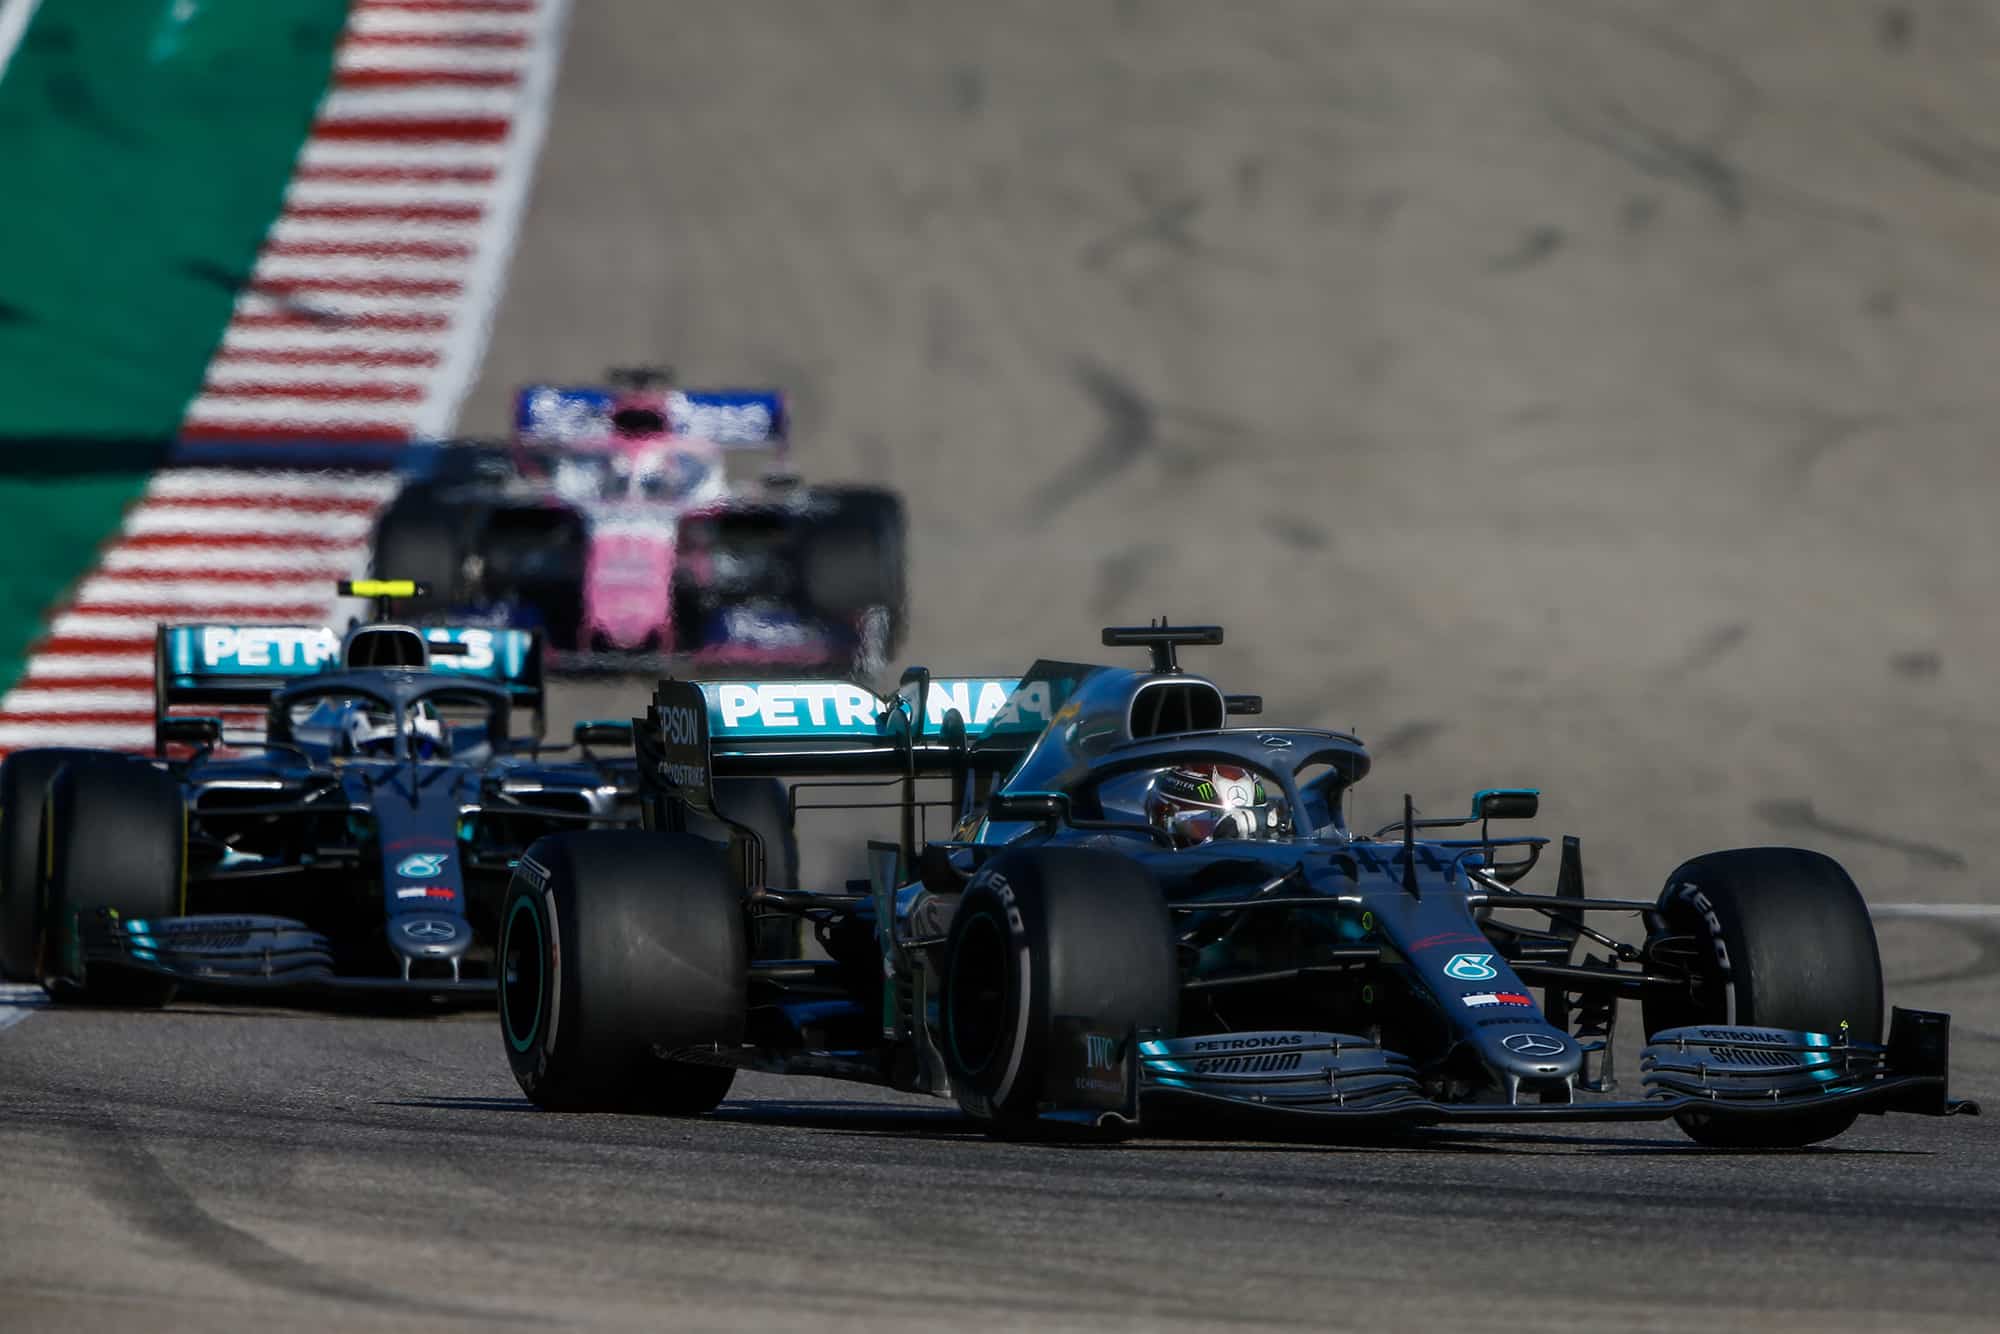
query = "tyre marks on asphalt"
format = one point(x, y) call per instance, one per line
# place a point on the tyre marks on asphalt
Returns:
point(1980, 930)
point(1130, 429)
point(1798, 814)
point(124, 1173)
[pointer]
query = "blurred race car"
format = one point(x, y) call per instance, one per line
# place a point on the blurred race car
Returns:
point(1146, 914)
point(612, 524)
point(361, 843)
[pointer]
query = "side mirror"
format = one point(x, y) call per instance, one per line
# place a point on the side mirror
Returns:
point(1506, 803)
point(1033, 807)
point(603, 732)
point(198, 730)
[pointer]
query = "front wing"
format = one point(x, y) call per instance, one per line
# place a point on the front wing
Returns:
point(239, 953)
point(1295, 1080)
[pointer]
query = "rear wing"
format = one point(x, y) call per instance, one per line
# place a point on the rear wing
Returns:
point(244, 664)
point(947, 727)
point(547, 414)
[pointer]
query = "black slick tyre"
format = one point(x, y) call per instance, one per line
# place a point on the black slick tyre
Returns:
point(856, 561)
point(1781, 937)
point(1042, 933)
point(616, 945)
point(114, 836)
point(24, 783)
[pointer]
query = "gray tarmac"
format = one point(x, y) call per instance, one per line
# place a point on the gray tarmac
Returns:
point(1594, 396)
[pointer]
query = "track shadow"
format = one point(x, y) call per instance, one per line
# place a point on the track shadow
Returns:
point(461, 1104)
point(852, 1118)
point(855, 1118)
point(877, 1121)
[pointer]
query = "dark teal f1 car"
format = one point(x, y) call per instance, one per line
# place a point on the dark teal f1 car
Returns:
point(1149, 914)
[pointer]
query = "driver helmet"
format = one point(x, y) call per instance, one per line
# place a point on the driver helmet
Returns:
point(1195, 803)
point(370, 732)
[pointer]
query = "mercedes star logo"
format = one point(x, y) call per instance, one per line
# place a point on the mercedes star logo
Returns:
point(1532, 1044)
point(429, 929)
point(1276, 742)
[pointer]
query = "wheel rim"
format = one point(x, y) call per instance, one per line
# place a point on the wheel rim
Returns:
point(523, 974)
point(976, 994)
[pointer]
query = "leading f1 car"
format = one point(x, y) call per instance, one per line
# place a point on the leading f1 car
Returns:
point(1146, 915)
point(360, 843)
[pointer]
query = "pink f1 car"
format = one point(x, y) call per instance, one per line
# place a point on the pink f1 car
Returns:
point(612, 523)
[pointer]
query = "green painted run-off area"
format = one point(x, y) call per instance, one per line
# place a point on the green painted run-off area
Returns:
point(144, 151)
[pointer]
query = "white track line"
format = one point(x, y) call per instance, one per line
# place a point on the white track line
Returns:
point(249, 344)
point(305, 231)
point(14, 17)
point(61, 666)
point(366, 57)
point(471, 103)
point(211, 408)
point(202, 483)
point(367, 22)
point(383, 194)
point(474, 324)
point(306, 268)
point(378, 153)
point(266, 522)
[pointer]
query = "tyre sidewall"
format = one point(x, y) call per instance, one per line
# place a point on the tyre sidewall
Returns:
point(640, 947)
point(114, 834)
point(1784, 940)
point(24, 783)
point(1083, 933)
point(1785, 935)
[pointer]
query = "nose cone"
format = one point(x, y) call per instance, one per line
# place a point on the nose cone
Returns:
point(625, 585)
point(1531, 1052)
point(424, 937)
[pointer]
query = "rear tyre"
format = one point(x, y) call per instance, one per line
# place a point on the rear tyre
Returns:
point(616, 945)
point(24, 784)
point(856, 561)
point(115, 836)
point(1042, 933)
point(1782, 938)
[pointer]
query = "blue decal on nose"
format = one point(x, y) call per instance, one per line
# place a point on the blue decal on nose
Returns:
point(1471, 968)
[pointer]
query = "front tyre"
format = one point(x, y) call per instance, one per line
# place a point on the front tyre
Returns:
point(24, 784)
point(1043, 933)
point(618, 947)
point(114, 835)
point(1780, 937)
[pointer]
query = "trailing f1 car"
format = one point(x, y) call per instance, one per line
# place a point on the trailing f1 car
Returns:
point(1145, 915)
point(362, 843)
point(611, 524)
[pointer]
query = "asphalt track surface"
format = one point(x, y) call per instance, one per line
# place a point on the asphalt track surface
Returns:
point(1592, 395)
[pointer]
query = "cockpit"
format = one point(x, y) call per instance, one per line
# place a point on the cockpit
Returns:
point(347, 724)
point(670, 471)
point(1195, 788)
